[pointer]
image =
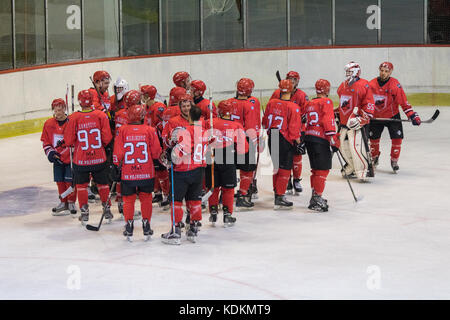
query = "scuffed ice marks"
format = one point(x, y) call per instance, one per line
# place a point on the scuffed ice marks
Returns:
point(26, 200)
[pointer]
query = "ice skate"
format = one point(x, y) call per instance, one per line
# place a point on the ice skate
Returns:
point(72, 209)
point(120, 207)
point(243, 203)
point(128, 232)
point(91, 195)
point(289, 188)
point(165, 203)
point(84, 214)
point(394, 166)
point(61, 209)
point(253, 190)
point(280, 203)
point(157, 198)
point(213, 211)
point(375, 161)
point(297, 187)
point(228, 220)
point(317, 203)
point(192, 232)
point(148, 232)
point(172, 237)
point(108, 214)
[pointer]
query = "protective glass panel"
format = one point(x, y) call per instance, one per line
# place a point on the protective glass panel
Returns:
point(101, 28)
point(439, 21)
point(222, 24)
point(311, 22)
point(30, 32)
point(180, 25)
point(64, 30)
point(266, 26)
point(401, 21)
point(140, 27)
point(357, 22)
point(5, 35)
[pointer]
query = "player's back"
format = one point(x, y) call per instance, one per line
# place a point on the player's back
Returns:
point(320, 118)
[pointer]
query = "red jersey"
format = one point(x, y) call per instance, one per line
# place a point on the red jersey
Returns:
point(52, 133)
point(135, 147)
point(102, 102)
point(203, 104)
point(191, 149)
point(388, 97)
point(244, 113)
point(117, 105)
point(255, 113)
point(320, 118)
point(356, 95)
point(170, 112)
point(298, 97)
point(89, 132)
point(173, 123)
point(284, 116)
point(154, 116)
point(227, 133)
point(121, 118)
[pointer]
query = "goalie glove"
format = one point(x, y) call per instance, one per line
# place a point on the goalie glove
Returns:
point(354, 123)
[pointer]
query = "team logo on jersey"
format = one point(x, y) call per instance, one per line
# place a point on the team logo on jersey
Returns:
point(160, 109)
point(353, 90)
point(252, 100)
point(398, 85)
point(328, 101)
point(297, 110)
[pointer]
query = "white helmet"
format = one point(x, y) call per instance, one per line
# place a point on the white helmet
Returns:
point(123, 85)
point(352, 70)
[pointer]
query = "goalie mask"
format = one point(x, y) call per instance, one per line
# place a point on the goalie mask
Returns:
point(352, 71)
point(120, 88)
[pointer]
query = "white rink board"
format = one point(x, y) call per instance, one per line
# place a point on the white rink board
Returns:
point(28, 94)
point(395, 244)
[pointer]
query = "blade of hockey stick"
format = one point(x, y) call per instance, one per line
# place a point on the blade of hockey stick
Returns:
point(93, 228)
point(206, 196)
point(278, 75)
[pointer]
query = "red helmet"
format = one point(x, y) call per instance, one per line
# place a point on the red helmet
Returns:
point(184, 97)
point(245, 87)
point(132, 97)
point(198, 85)
point(225, 108)
point(136, 113)
point(58, 102)
point(387, 65)
point(85, 98)
point(180, 77)
point(286, 86)
point(323, 86)
point(149, 90)
point(101, 75)
point(293, 74)
point(176, 93)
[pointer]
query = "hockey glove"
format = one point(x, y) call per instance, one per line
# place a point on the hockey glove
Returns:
point(354, 123)
point(415, 119)
point(53, 157)
point(335, 143)
point(300, 148)
point(116, 173)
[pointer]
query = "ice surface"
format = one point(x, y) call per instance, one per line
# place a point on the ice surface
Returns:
point(395, 244)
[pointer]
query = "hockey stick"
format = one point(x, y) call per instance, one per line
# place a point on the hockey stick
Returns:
point(210, 191)
point(345, 174)
point(107, 205)
point(368, 153)
point(430, 120)
point(70, 189)
point(278, 75)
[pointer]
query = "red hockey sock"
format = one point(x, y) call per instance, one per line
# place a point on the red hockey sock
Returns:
point(118, 192)
point(178, 211)
point(395, 149)
point(246, 181)
point(103, 191)
point(228, 198)
point(61, 189)
point(73, 196)
point(128, 206)
point(82, 194)
point(282, 181)
point(297, 166)
point(195, 209)
point(164, 181)
point(214, 197)
point(375, 147)
point(146, 205)
point(318, 178)
point(274, 180)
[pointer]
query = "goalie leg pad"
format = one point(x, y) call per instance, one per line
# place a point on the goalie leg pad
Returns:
point(357, 149)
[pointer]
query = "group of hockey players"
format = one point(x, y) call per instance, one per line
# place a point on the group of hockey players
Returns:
point(134, 145)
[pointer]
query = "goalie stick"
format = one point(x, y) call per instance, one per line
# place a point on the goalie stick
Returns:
point(94, 228)
point(430, 120)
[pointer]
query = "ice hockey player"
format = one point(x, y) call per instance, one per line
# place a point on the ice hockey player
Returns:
point(121, 87)
point(187, 145)
point(244, 113)
point(89, 132)
point(181, 79)
point(155, 110)
point(388, 94)
point(135, 147)
point(58, 153)
point(100, 96)
point(356, 108)
point(198, 88)
point(229, 137)
point(282, 120)
point(301, 99)
point(320, 135)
